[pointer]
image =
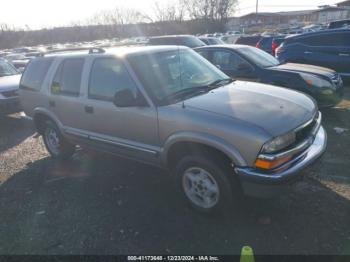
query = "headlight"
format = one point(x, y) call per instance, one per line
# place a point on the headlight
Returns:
point(279, 143)
point(316, 81)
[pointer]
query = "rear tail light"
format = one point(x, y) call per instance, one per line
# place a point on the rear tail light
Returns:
point(274, 46)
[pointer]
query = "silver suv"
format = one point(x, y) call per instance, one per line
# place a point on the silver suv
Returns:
point(169, 107)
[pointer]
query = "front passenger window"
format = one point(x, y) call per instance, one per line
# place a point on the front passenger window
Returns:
point(108, 75)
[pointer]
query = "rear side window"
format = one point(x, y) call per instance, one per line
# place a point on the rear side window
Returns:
point(35, 73)
point(67, 79)
point(333, 39)
point(108, 75)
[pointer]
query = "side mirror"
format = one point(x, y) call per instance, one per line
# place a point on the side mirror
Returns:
point(126, 98)
point(244, 68)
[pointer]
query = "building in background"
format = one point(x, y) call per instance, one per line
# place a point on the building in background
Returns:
point(283, 20)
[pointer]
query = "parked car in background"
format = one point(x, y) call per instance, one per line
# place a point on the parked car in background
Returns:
point(276, 42)
point(211, 41)
point(170, 107)
point(20, 65)
point(184, 40)
point(339, 24)
point(266, 43)
point(249, 63)
point(251, 40)
point(327, 48)
point(229, 39)
point(233, 33)
point(9, 83)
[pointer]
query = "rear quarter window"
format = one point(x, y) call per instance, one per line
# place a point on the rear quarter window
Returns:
point(35, 73)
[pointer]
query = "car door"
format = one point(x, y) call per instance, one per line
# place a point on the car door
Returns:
point(232, 64)
point(128, 131)
point(322, 50)
point(65, 98)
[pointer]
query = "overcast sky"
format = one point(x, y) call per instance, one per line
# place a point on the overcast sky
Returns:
point(45, 13)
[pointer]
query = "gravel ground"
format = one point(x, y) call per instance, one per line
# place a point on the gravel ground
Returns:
point(98, 204)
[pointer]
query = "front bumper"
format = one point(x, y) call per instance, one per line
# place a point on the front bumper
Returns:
point(259, 184)
point(10, 105)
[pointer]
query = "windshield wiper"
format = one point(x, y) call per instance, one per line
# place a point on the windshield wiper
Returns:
point(185, 93)
point(220, 82)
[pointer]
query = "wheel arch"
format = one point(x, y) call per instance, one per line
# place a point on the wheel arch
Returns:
point(41, 115)
point(192, 141)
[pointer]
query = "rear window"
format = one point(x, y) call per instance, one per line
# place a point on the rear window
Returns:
point(250, 40)
point(35, 73)
point(162, 41)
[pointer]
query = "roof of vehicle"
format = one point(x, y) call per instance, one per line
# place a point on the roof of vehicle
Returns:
point(170, 36)
point(228, 46)
point(321, 32)
point(118, 51)
point(207, 37)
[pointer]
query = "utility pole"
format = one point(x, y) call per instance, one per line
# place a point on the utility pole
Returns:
point(256, 8)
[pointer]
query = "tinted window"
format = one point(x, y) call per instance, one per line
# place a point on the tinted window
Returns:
point(162, 41)
point(248, 40)
point(227, 60)
point(266, 42)
point(35, 72)
point(333, 39)
point(108, 75)
point(203, 53)
point(67, 79)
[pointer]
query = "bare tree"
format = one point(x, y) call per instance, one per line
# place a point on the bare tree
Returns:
point(170, 11)
point(212, 10)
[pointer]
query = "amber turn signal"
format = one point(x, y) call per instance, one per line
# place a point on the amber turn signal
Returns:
point(265, 164)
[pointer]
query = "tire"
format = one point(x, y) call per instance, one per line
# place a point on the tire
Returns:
point(55, 143)
point(204, 183)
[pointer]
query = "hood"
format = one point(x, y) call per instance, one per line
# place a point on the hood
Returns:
point(9, 82)
point(276, 110)
point(302, 68)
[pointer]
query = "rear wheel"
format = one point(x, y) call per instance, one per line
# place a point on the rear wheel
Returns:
point(204, 183)
point(55, 143)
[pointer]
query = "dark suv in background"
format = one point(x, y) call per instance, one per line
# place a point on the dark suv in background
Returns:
point(328, 48)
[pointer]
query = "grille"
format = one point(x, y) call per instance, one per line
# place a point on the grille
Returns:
point(12, 93)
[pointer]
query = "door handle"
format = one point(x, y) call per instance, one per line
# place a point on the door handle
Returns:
point(342, 54)
point(307, 52)
point(52, 103)
point(89, 109)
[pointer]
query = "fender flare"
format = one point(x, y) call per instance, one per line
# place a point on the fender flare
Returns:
point(205, 139)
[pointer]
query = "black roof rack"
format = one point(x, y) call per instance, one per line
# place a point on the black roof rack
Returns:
point(92, 50)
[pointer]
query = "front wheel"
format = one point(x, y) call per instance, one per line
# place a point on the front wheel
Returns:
point(205, 184)
point(55, 143)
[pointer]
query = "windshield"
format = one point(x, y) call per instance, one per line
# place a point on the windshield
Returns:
point(6, 69)
point(167, 73)
point(259, 57)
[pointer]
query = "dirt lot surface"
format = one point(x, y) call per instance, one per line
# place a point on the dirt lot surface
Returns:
point(98, 204)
